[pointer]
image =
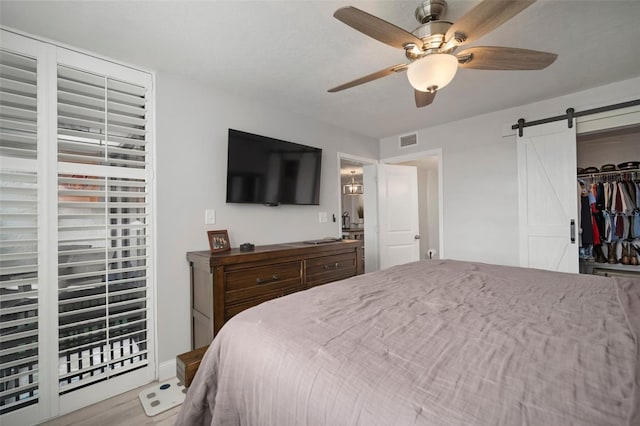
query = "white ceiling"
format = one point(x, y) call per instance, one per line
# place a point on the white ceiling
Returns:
point(287, 54)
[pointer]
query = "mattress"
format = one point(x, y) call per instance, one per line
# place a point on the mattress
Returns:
point(430, 343)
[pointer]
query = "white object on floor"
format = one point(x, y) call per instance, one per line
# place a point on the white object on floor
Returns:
point(162, 396)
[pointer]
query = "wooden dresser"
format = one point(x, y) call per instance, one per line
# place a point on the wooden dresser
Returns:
point(225, 284)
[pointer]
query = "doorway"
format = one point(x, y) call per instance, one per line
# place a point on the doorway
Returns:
point(608, 158)
point(430, 205)
point(352, 202)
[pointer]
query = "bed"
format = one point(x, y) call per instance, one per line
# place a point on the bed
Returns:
point(430, 343)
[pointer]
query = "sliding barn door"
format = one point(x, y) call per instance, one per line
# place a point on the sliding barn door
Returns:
point(548, 197)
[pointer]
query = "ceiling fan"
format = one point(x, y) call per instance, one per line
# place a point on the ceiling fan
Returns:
point(431, 46)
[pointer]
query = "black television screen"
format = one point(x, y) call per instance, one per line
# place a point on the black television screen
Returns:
point(270, 171)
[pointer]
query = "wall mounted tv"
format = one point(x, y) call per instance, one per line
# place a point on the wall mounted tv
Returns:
point(270, 171)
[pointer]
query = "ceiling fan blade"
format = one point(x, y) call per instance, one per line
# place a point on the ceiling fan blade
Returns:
point(485, 17)
point(424, 98)
point(504, 58)
point(367, 78)
point(376, 28)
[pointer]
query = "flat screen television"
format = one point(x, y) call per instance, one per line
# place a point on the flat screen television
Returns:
point(264, 170)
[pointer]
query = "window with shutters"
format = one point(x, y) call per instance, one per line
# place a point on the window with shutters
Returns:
point(75, 231)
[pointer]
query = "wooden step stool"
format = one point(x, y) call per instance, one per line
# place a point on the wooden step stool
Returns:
point(187, 364)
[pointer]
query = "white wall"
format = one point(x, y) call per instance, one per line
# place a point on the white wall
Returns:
point(609, 149)
point(480, 190)
point(191, 160)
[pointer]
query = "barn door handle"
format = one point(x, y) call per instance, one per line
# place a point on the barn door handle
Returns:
point(572, 224)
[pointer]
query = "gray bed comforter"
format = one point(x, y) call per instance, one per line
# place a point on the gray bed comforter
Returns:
point(430, 343)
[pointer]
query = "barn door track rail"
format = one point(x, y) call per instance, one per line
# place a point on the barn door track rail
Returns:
point(571, 114)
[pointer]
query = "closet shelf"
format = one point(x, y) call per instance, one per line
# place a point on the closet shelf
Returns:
point(612, 266)
point(634, 172)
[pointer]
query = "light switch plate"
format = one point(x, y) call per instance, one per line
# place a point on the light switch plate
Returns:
point(322, 217)
point(209, 217)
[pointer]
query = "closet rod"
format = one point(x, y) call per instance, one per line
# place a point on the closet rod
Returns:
point(571, 114)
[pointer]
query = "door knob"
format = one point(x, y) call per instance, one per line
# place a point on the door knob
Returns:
point(416, 237)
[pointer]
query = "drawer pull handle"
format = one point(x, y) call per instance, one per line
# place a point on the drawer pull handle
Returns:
point(268, 280)
point(334, 266)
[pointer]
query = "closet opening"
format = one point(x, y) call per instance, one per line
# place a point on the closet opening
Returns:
point(608, 191)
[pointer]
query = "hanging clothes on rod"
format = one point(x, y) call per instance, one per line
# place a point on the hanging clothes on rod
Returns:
point(614, 206)
point(589, 233)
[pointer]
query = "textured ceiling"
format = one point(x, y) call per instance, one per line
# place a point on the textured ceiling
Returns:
point(287, 54)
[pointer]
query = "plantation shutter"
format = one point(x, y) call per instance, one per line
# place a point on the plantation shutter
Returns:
point(100, 120)
point(103, 240)
point(76, 249)
point(19, 277)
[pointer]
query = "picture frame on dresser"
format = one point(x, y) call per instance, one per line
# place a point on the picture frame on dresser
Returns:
point(218, 241)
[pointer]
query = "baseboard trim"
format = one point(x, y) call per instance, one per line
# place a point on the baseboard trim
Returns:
point(167, 370)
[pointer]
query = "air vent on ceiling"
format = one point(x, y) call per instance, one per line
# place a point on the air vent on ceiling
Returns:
point(408, 140)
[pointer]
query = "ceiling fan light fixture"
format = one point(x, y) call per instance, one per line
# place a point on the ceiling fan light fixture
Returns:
point(432, 72)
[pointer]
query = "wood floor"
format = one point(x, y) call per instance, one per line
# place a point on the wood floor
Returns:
point(121, 410)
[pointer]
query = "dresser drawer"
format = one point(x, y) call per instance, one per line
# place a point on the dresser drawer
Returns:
point(236, 308)
point(251, 283)
point(321, 270)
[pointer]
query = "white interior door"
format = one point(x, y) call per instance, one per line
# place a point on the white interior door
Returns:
point(548, 197)
point(397, 215)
